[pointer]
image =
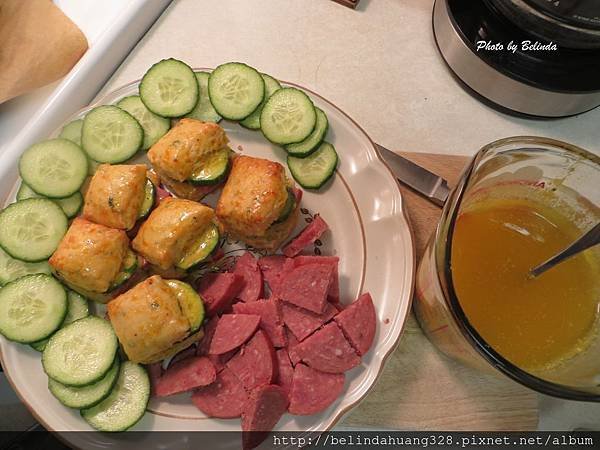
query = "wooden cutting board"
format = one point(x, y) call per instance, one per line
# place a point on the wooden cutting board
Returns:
point(422, 389)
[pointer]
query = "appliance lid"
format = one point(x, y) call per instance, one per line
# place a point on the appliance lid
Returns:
point(583, 13)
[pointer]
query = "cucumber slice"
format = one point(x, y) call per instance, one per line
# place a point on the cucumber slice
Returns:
point(169, 88)
point(130, 265)
point(70, 205)
point(201, 249)
point(72, 131)
point(290, 205)
point(235, 90)
point(55, 168)
point(92, 166)
point(313, 171)
point(12, 269)
point(288, 116)
point(80, 353)
point(30, 230)
point(77, 308)
point(312, 142)
point(125, 405)
point(149, 199)
point(214, 168)
point(85, 396)
point(271, 86)
point(111, 135)
point(204, 109)
point(32, 308)
point(154, 126)
point(190, 303)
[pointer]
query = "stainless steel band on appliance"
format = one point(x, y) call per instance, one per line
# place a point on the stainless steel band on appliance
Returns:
point(496, 86)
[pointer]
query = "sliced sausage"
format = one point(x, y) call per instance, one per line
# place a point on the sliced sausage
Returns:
point(261, 412)
point(307, 286)
point(303, 322)
point(155, 371)
point(209, 331)
point(218, 291)
point(224, 399)
point(307, 236)
point(183, 354)
point(292, 348)
point(285, 372)
point(247, 267)
point(185, 375)
point(255, 364)
point(328, 350)
point(334, 289)
point(232, 331)
point(271, 268)
point(270, 318)
point(219, 361)
point(358, 323)
point(313, 391)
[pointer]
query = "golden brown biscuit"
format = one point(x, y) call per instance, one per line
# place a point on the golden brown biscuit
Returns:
point(170, 229)
point(179, 152)
point(253, 197)
point(90, 255)
point(148, 319)
point(115, 195)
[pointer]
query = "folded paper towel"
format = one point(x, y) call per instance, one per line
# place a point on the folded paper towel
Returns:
point(39, 45)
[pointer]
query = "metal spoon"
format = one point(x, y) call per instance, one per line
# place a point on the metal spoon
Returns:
point(589, 239)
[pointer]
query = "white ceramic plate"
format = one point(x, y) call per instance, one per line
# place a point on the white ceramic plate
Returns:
point(371, 235)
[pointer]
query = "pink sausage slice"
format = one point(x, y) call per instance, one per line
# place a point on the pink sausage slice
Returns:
point(255, 364)
point(270, 318)
point(183, 354)
point(334, 289)
point(185, 375)
point(271, 268)
point(307, 236)
point(218, 291)
point(247, 267)
point(313, 391)
point(261, 413)
point(232, 331)
point(292, 348)
point(224, 399)
point(285, 370)
point(209, 331)
point(358, 322)
point(307, 286)
point(328, 350)
point(155, 371)
point(303, 322)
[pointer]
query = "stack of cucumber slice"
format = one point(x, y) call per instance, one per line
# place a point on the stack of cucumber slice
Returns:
point(286, 116)
point(234, 91)
point(84, 372)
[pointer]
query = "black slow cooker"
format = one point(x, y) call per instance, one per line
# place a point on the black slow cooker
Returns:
point(530, 57)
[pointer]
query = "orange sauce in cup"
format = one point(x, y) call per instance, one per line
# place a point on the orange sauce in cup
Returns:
point(534, 323)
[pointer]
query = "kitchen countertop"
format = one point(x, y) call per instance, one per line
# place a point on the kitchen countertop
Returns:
point(378, 63)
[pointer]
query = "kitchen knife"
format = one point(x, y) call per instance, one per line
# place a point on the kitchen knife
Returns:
point(426, 183)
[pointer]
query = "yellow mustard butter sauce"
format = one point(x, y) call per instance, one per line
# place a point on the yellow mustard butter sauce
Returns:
point(534, 323)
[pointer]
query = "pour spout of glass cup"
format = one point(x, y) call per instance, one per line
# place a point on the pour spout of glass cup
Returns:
point(589, 239)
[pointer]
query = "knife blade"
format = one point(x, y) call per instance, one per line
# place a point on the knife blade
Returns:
point(426, 183)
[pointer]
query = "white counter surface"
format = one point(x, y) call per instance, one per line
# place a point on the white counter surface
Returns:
point(378, 63)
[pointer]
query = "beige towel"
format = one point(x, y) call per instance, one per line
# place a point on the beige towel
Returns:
point(38, 45)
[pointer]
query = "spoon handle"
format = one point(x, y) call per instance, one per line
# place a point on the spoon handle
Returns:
point(589, 239)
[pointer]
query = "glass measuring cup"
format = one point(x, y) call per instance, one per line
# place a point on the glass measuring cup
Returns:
point(566, 180)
